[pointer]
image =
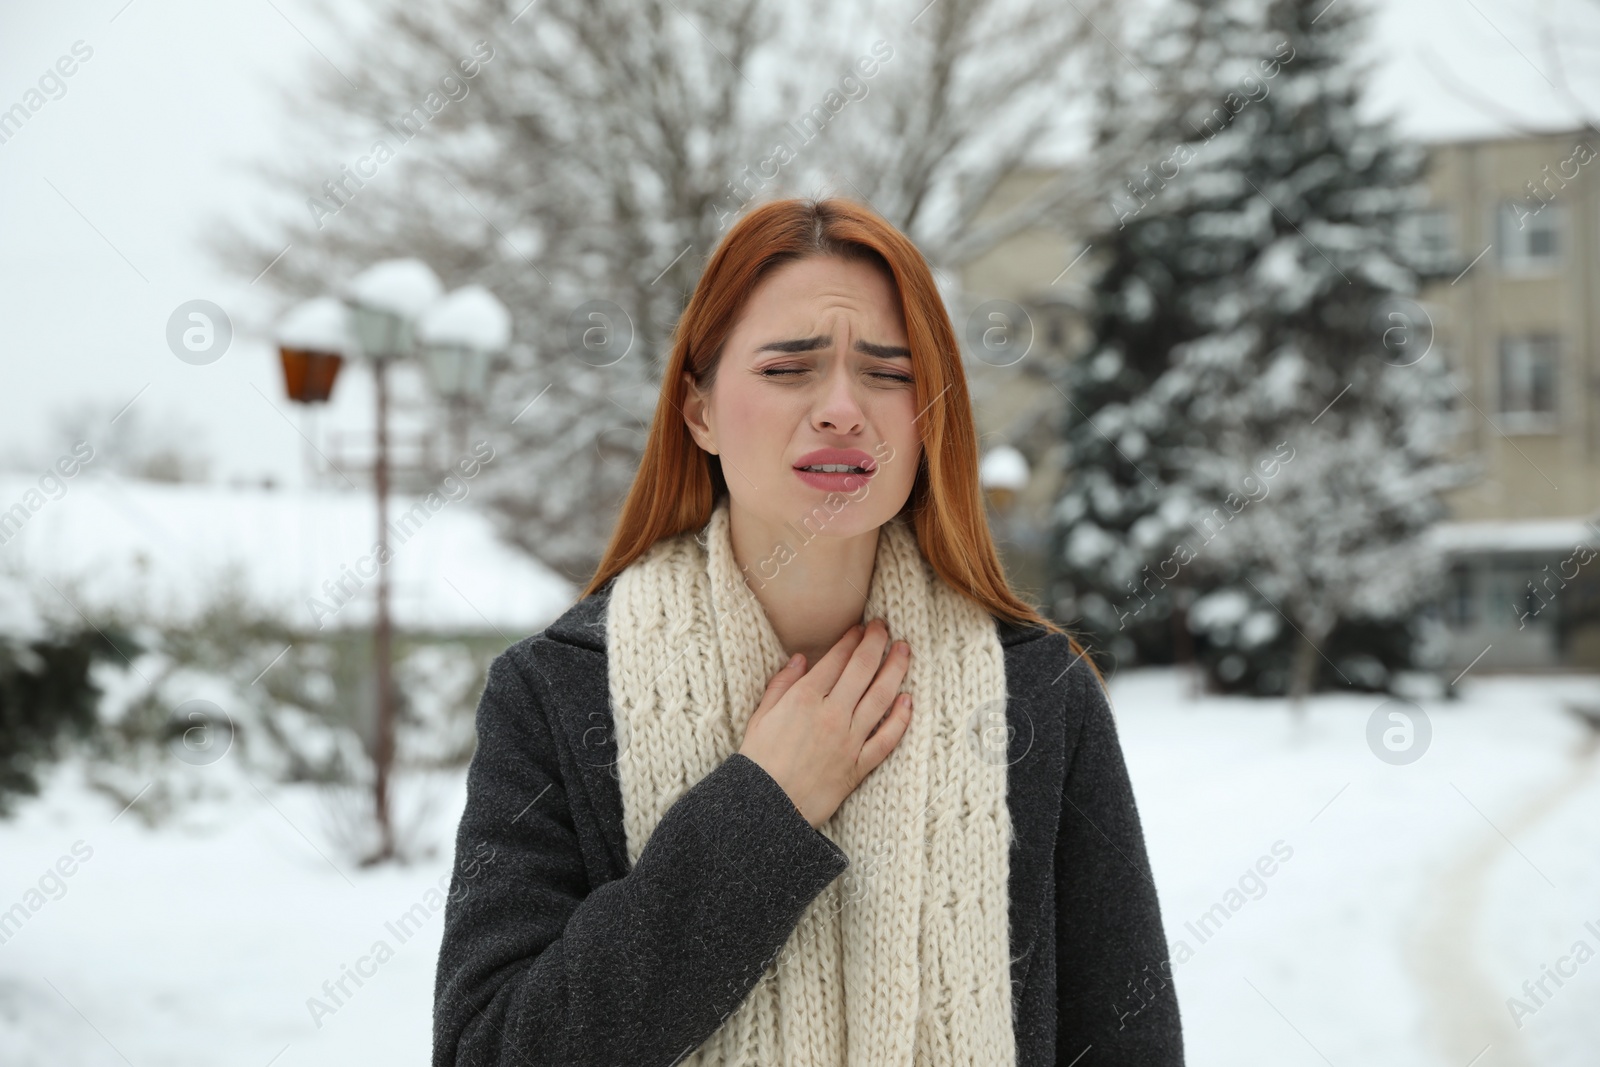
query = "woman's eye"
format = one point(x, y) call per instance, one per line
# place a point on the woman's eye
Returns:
point(774, 372)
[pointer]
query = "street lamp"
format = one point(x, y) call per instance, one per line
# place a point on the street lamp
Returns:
point(1003, 473)
point(392, 311)
point(384, 301)
point(460, 335)
point(312, 341)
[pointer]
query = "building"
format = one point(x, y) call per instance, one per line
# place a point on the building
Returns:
point(1024, 313)
point(1521, 215)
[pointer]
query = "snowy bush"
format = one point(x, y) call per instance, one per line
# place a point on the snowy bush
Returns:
point(47, 698)
point(209, 706)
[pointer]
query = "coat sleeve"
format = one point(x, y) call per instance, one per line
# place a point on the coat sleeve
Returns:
point(1113, 977)
point(538, 967)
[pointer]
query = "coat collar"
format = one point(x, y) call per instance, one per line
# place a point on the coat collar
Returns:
point(584, 624)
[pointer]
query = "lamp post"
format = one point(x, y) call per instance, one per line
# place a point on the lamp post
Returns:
point(460, 336)
point(384, 301)
point(388, 312)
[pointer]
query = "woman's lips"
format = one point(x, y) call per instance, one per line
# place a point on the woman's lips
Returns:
point(833, 481)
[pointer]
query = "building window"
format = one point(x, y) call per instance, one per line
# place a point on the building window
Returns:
point(1432, 233)
point(1529, 373)
point(1460, 608)
point(1530, 236)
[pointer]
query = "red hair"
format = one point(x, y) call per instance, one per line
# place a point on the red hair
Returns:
point(678, 483)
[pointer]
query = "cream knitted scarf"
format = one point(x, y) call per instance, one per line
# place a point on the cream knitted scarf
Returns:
point(904, 961)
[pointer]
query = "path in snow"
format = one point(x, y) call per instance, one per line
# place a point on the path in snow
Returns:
point(1465, 1011)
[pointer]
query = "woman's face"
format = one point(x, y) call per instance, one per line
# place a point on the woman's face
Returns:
point(818, 361)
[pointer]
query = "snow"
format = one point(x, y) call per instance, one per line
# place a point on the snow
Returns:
point(317, 325)
point(1003, 468)
point(20, 618)
point(1390, 936)
point(1259, 628)
point(1283, 268)
point(110, 543)
point(404, 287)
point(1516, 535)
point(470, 317)
point(1346, 940)
point(1089, 545)
point(1225, 607)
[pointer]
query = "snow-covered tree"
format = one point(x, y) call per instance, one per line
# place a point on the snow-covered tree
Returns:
point(1159, 264)
point(581, 160)
point(1304, 433)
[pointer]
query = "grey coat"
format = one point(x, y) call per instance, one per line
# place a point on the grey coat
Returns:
point(555, 952)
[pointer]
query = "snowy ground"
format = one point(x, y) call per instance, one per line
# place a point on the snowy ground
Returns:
point(1414, 900)
point(1418, 898)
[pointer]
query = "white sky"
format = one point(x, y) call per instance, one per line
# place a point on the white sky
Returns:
point(105, 191)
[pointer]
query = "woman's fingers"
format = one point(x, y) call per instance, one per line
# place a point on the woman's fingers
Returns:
point(886, 737)
point(862, 666)
point(813, 731)
point(781, 683)
point(875, 702)
point(825, 675)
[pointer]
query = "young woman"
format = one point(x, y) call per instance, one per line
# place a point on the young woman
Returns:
point(800, 781)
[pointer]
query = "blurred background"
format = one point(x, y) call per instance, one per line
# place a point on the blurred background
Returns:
point(331, 336)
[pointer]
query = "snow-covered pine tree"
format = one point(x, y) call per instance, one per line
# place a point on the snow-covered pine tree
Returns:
point(1160, 263)
point(1319, 426)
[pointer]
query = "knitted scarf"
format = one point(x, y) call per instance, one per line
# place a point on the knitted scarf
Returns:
point(904, 961)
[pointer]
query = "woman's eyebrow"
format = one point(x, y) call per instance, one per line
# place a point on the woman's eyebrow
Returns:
point(809, 344)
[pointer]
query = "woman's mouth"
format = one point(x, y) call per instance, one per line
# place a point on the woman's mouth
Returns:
point(834, 469)
point(833, 479)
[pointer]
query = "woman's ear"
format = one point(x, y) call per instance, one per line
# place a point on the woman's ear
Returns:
point(694, 414)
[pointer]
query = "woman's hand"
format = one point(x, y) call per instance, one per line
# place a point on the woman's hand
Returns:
point(819, 733)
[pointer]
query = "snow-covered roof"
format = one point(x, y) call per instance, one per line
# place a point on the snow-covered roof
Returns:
point(1516, 535)
point(471, 317)
point(111, 542)
point(317, 325)
point(406, 287)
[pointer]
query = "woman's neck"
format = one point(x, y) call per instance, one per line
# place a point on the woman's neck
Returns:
point(812, 586)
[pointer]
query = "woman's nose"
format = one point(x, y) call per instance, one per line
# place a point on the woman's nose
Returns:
point(838, 409)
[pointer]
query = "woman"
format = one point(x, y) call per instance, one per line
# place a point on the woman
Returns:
point(800, 780)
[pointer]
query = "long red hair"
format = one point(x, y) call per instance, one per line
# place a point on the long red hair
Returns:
point(678, 483)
